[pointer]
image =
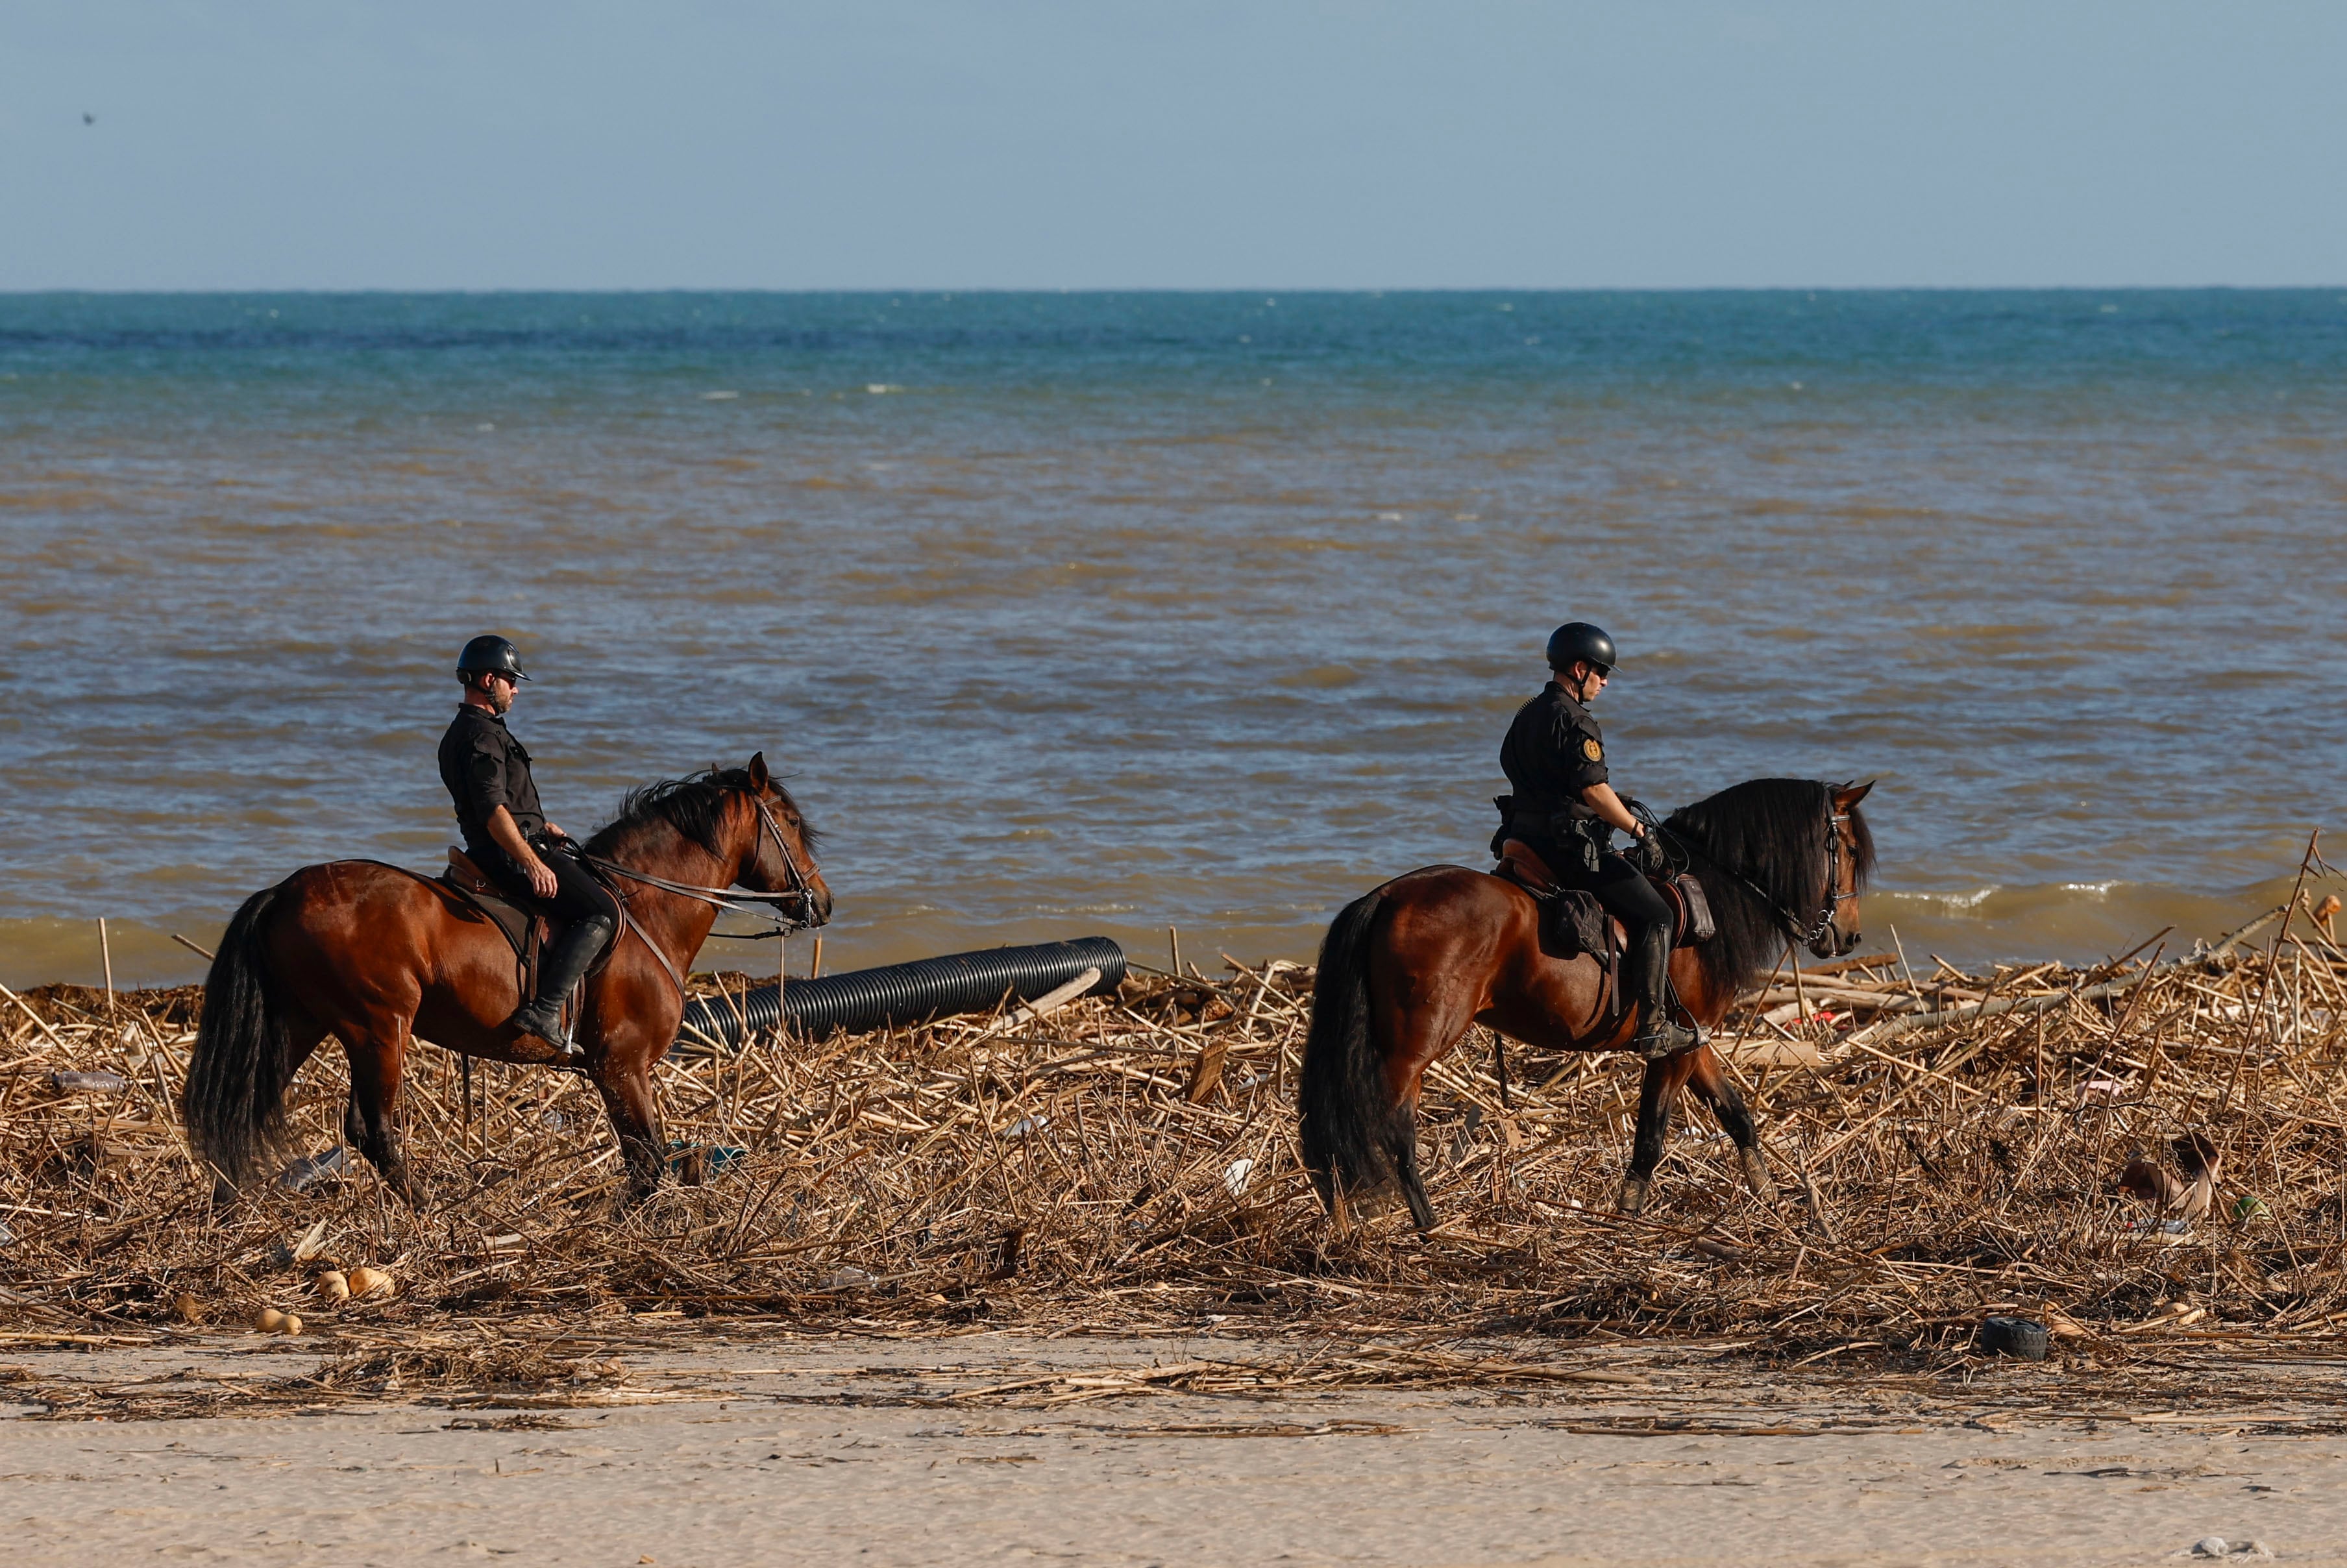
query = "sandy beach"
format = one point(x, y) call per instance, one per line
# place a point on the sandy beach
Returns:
point(1070, 1318)
point(718, 1451)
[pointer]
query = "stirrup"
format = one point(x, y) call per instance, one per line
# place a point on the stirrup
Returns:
point(1663, 1039)
point(533, 1021)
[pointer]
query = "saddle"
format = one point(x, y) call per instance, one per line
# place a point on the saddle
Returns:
point(526, 929)
point(1573, 922)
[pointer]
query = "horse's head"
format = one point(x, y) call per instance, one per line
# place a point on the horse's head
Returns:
point(1849, 860)
point(1782, 860)
point(781, 855)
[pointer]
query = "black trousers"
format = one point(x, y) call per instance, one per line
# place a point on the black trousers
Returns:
point(578, 897)
point(1619, 885)
point(1646, 919)
point(1626, 893)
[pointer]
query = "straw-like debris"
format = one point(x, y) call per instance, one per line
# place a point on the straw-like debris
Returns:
point(1949, 1145)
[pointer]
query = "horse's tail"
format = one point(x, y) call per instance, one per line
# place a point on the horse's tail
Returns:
point(1354, 1143)
point(235, 1101)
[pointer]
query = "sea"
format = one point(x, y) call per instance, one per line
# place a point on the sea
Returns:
point(1178, 618)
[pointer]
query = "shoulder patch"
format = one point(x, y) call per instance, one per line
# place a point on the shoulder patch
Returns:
point(1592, 751)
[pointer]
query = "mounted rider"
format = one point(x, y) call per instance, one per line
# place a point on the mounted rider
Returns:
point(1565, 809)
point(507, 835)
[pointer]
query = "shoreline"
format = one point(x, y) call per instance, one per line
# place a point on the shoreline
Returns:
point(745, 1449)
point(2069, 921)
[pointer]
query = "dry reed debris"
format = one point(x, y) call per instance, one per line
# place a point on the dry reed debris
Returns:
point(1127, 1165)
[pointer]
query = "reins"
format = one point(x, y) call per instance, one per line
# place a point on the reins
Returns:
point(725, 900)
point(1816, 930)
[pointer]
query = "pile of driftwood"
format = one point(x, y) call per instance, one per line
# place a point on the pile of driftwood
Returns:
point(2145, 1149)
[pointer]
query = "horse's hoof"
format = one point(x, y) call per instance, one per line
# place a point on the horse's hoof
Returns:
point(631, 1198)
point(1633, 1194)
point(642, 1186)
point(406, 1185)
point(1755, 1174)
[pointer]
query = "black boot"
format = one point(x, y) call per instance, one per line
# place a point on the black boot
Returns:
point(1657, 1036)
point(559, 970)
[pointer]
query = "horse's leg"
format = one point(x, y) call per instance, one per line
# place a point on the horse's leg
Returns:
point(1707, 1077)
point(1425, 1015)
point(625, 1082)
point(1392, 995)
point(376, 1053)
point(1421, 1037)
point(1656, 1091)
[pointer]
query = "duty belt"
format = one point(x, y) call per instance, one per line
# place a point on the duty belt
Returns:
point(1571, 819)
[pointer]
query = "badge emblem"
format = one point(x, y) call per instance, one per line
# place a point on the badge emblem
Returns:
point(1592, 751)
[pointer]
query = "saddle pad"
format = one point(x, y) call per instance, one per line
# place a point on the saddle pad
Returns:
point(1571, 921)
point(1568, 928)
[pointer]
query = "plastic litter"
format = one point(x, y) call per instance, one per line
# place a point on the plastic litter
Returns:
point(696, 1162)
point(307, 1172)
point(1027, 1126)
point(2161, 1228)
point(847, 1279)
point(1234, 1179)
point(70, 1082)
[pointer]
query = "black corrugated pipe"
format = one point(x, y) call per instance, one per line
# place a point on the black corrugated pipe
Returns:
point(897, 994)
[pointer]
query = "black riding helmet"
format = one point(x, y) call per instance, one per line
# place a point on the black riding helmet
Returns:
point(490, 655)
point(1579, 640)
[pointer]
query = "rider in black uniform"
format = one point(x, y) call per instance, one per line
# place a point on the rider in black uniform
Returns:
point(1555, 757)
point(507, 834)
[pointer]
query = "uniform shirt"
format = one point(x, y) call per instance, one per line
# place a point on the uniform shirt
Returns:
point(1554, 752)
point(484, 768)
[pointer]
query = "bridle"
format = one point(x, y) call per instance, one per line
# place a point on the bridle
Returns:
point(1835, 898)
point(725, 899)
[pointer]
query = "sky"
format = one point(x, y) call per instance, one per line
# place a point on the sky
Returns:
point(1051, 144)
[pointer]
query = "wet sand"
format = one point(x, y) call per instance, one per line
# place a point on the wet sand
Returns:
point(913, 1451)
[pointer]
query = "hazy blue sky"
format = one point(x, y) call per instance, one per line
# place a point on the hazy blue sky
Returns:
point(1028, 144)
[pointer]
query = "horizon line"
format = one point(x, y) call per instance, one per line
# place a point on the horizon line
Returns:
point(949, 290)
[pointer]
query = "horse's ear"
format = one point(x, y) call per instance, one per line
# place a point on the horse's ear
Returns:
point(1850, 795)
point(759, 776)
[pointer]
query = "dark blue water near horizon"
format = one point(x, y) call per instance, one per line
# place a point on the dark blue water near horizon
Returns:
point(1097, 611)
point(2012, 338)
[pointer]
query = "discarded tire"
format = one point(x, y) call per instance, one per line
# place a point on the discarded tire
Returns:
point(898, 994)
point(2016, 1337)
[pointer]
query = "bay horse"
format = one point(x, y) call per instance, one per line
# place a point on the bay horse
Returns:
point(1407, 968)
point(379, 957)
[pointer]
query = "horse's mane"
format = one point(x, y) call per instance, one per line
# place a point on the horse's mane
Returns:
point(694, 806)
point(1772, 830)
